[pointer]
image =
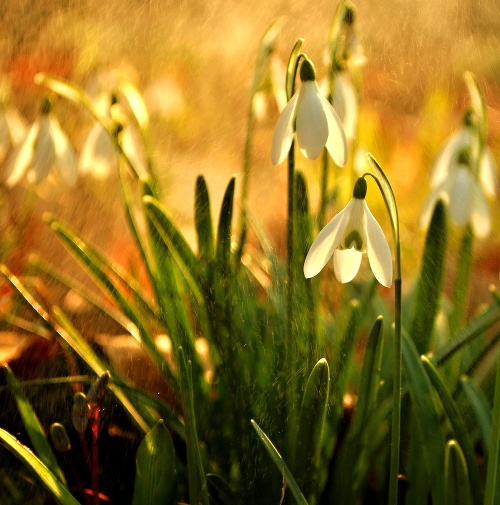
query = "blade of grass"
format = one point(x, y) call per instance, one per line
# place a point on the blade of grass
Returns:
point(430, 282)
point(481, 409)
point(203, 221)
point(457, 487)
point(55, 487)
point(196, 475)
point(427, 417)
point(33, 426)
point(494, 448)
point(282, 467)
point(459, 428)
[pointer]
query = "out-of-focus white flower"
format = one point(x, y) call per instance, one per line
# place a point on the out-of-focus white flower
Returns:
point(447, 158)
point(345, 103)
point(45, 146)
point(346, 237)
point(313, 119)
point(12, 130)
point(461, 182)
point(464, 196)
point(99, 155)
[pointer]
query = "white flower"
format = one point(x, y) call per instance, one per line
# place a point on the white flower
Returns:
point(45, 146)
point(465, 199)
point(315, 121)
point(447, 158)
point(347, 236)
point(345, 103)
point(12, 130)
point(99, 155)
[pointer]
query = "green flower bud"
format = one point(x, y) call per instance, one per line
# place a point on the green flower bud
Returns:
point(307, 72)
point(360, 188)
point(59, 437)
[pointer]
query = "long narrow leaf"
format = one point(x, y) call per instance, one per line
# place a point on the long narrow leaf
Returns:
point(491, 490)
point(55, 487)
point(459, 429)
point(457, 487)
point(33, 427)
point(279, 462)
point(428, 291)
point(203, 220)
point(427, 418)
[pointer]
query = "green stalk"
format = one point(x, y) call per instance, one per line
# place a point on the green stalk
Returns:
point(266, 49)
point(390, 202)
point(494, 449)
point(461, 284)
point(293, 65)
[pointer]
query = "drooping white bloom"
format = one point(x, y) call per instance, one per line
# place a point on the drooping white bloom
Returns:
point(99, 155)
point(447, 158)
point(465, 199)
point(12, 130)
point(44, 147)
point(346, 237)
point(345, 103)
point(313, 119)
point(460, 183)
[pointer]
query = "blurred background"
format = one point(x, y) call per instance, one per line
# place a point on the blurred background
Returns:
point(194, 61)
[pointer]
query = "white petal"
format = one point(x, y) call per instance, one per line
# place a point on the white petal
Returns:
point(312, 124)
point(65, 161)
point(462, 196)
point(21, 157)
point(98, 155)
point(337, 142)
point(283, 131)
point(378, 250)
point(488, 173)
point(480, 215)
point(17, 125)
point(44, 154)
point(345, 103)
point(326, 242)
point(346, 264)
point(446, 157)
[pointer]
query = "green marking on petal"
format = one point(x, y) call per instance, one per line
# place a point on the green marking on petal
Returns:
point(354, 238)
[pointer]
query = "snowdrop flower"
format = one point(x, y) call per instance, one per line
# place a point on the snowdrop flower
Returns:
point(447, 157)
point(345, 103)
point(313, 119)
point(99, 155)
point(463, 194)
point(346, 237)
point(45, 146)
point(12, 130)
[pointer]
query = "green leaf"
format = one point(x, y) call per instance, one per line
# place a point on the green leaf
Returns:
point(353, 458)
point(279, 462)
point(457, 487)
point(223, 251)
point(459, 428)
point(198, 493)
point(481, 409)
point(492, 472)
point(430, 281)
point(53, 485)
point(311, 426)
point(474, 330)
point(203, 220)
point(427, 417)
point(33, 427)
point(155, 474)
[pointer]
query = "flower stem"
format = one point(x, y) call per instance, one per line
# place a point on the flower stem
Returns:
point(390, 202)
